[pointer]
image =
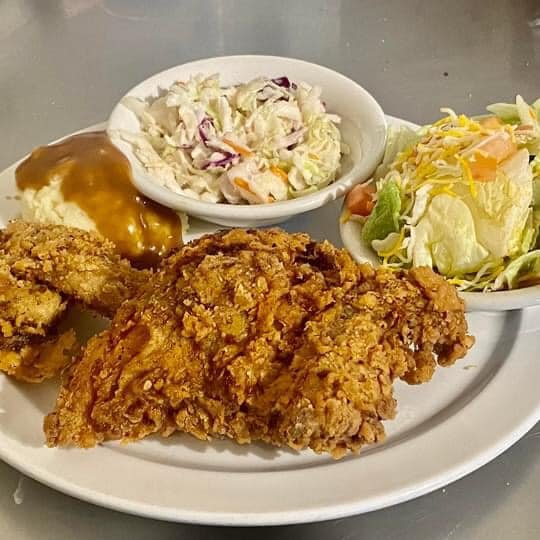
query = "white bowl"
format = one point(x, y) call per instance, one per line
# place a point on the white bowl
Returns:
point(474, 301)
point(363, 128)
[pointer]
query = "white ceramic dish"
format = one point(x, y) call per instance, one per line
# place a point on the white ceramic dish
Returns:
point(363, 128)
point(444, 430)
point(474, 301)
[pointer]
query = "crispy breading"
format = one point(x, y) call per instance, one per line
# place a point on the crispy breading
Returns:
point(40, 359)
point(30, 349)
point(42, 268)
point(27, 310)
point(260, 335)
point(81, 265)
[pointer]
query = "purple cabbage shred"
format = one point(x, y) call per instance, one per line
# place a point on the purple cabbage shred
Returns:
point(204, 125)
point(284, 82)
point(228, 157)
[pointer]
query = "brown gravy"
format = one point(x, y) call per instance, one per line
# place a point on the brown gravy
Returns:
point(97, 177)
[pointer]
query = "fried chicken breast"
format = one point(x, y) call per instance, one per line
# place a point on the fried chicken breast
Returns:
point(260, 335)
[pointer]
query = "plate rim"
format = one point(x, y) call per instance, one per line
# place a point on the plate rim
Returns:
point(485, 453)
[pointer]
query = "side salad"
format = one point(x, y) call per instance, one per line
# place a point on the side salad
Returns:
point(259, 142)
point(461, 196)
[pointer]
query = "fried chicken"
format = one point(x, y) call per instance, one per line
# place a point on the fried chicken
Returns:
point(31, 349)
point(260, 335)
point(40, 359)
point(26, 309)
point(43, 268)
point(82, 266)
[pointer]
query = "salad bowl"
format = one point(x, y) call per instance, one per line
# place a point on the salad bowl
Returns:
point(474, 301)
point(362, 127)
point(492, 300)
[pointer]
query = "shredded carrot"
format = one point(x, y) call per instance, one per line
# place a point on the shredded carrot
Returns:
point(243, 184)
point(246, 152)
point(280, 173)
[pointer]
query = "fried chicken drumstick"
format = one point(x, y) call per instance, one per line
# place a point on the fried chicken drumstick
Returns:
point(261, 335)
point(42, 268)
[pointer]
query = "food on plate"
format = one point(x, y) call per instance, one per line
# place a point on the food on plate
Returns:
point(42, 269)
point(27, 307)
point(461, 196)
point(261, 335)
point(84, 181)
point(31, 349)
point(79, 265)
point(263, 141)
point(40, 358)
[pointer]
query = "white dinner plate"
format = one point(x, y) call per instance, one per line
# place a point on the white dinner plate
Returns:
point(464, 417)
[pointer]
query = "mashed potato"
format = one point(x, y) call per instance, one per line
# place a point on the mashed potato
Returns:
point(48, 206)
point(85, 182)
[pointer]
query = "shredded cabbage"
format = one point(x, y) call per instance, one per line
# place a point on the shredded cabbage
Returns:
point(525, 270)
point(468, 198)
point(264, 141)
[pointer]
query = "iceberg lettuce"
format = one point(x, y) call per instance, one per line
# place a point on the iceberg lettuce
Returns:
point(523, 271)
point(510, 112)
point(500, 208)
point(398, 140)
point(445, 238)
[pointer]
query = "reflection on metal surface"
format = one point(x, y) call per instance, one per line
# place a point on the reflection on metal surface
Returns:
point(13, 15)
point(72, 8)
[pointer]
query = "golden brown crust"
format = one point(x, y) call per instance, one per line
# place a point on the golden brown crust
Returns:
point(42, 267)
point(27, 310)
point(30, 350)
point(79, 264)
point(40, 359)
point(260, 335)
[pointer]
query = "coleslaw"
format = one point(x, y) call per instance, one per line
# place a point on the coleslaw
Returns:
point(461, 196)
point(259, 142)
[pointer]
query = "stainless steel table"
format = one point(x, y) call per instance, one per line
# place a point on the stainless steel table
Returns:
point(63, 64)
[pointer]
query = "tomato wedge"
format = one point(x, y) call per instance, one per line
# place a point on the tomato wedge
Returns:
point(359, 200)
